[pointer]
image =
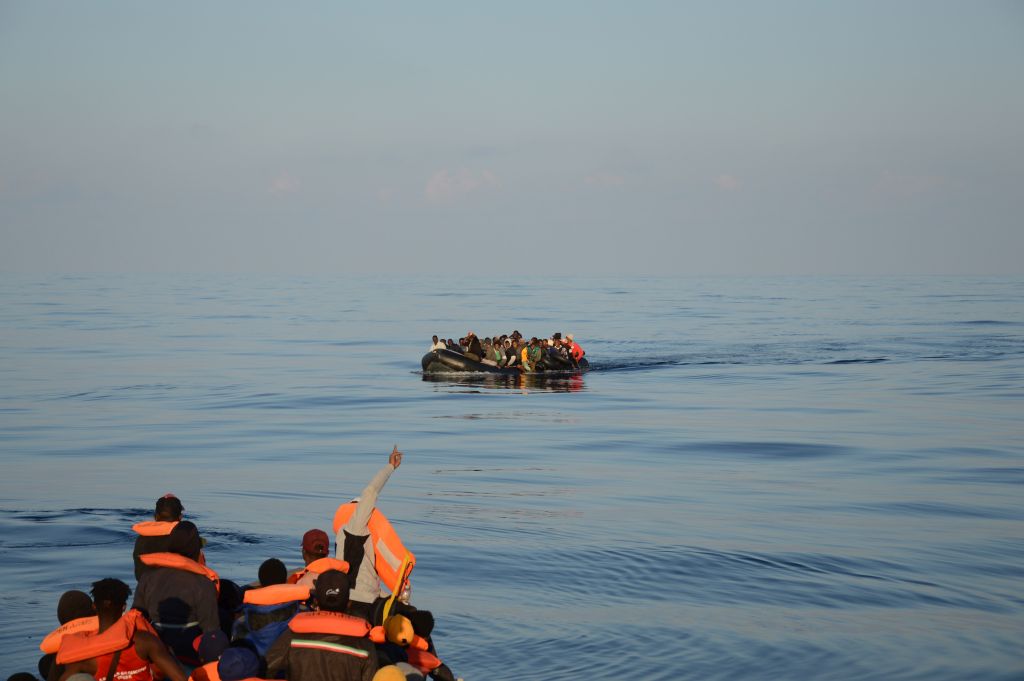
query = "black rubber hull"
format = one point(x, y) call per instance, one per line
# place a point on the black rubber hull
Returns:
point(449, 362)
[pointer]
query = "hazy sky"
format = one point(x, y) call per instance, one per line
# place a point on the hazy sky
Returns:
point(499, 137)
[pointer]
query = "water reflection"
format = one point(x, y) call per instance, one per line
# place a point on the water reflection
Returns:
point(544, 382)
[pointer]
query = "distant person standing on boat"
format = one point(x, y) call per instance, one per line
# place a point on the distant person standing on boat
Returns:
point(154, 534)
point(438, 344)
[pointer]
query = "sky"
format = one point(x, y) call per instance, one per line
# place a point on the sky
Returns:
point(558, 137)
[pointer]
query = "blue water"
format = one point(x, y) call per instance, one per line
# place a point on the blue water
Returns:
point(773, 478)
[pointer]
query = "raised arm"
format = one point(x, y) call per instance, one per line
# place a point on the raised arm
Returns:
point(357, 524)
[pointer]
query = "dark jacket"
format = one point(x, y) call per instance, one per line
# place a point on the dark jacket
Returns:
point(180, 604)
point(145, 544)
point(322, 657)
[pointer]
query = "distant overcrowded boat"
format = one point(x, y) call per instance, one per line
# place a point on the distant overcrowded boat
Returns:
point(508, 355)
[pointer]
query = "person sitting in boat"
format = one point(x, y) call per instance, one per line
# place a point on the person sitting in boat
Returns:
point(511, 356)
point(473, 349)
point(488, 353)
point(209, 647)
point(574, 348)
point(315, 547)
point(498, 352)
point(76, 614)
point(124, 646)
point(453, 346)
point(153, 534)
point(326, 644)
point(437, 344)
point(179, 596)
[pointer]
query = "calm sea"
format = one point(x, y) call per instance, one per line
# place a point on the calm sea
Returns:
point(779, 478)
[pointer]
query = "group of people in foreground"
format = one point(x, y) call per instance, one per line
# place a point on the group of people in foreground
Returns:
point(512, 350)
point(341, 618)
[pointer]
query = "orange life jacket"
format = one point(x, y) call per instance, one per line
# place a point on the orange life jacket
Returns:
point(208, 672)
point(577, 351)
point(389, 551)
point(88, 625)
point(318, 566)
point(416, 650)
point(276, 594)
point(324, 622)
point(423, 660)
point(154, 528)
point(180, 562)
point(118, 636)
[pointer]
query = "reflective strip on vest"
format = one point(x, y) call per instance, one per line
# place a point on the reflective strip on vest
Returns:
point(388, 549)
point(311, 644)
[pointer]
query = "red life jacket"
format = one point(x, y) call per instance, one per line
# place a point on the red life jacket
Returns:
point(86, 625)
point(577, 351)
point(388, 549)
point(118, 636)
point(180, 562)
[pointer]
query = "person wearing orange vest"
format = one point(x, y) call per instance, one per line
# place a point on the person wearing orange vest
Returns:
point(315, 547)
point(76, 615)
point(179, 595)
point(124, 646)
point(354, 544)
point(154, 534)
point(574, 348)
point(326, 644)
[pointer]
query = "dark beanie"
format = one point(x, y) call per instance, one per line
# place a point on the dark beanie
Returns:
point(72, 605)
point(184, 539)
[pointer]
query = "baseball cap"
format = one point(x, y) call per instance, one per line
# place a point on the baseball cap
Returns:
point(331, 590)
point(316, 542)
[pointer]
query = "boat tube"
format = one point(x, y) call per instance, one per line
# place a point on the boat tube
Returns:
point(449, 361)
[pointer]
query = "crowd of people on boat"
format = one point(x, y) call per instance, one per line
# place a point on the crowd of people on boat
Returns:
point(345, 617)
point(513, 350)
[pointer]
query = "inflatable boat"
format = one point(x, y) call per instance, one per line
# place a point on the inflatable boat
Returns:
point(449, 362)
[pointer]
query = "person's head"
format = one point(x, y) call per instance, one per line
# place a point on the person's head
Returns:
point(434, 338)
point(569, 337)
point(110, 596)
point(184, 540)
point(230, 597)
point(273, 571)
point(73, 605)
point(211, 645)
point(168, 508)
point(331, 591)
point(315, 545)
point(237, 663)
point(23, 676)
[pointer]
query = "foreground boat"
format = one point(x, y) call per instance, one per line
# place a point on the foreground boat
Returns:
point(451, 362)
